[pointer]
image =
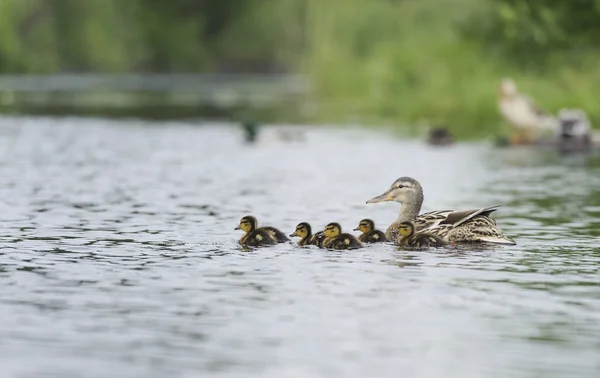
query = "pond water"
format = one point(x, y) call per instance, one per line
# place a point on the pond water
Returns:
point(118, 256)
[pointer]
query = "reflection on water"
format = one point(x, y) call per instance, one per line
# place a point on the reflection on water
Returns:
point(117, 253)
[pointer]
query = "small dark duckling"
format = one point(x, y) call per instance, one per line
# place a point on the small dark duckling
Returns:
point(279, 236)
point(249, 225)
point(335, 239)
point(369, 233)
point(304, 231)
point(423, 239)
point(254, 237)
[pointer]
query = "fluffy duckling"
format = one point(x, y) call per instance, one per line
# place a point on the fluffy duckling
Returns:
point(249, 224)
point(422, 239)
point(304, 231)
point(335, 239)
point(369, 233)
point(254, 237)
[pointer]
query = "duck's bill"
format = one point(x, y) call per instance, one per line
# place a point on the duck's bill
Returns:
point(238, 228)
point(292, 235)
point(356, 229)
point(381, 198)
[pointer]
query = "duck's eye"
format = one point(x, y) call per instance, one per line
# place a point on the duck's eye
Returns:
point(400, 186)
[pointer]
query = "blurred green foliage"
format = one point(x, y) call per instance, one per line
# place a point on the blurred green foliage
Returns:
point(401, 61)
point(44, 36)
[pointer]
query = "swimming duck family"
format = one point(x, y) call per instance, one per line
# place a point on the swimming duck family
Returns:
point(410, 229)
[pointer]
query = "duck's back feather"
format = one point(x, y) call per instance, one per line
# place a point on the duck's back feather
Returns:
point(451, 217)
point(342, 241)
point(374, 236)
point(277, 235)
point(258, 238)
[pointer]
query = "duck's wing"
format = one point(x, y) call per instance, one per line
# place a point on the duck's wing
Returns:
point(479, 228)
point(451, 217)
point(534, 106)
point(439, 232)
point(431, 219)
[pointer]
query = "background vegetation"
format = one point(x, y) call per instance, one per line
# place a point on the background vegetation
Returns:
point(373, 61)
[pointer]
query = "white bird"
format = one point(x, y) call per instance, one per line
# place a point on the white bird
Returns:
point(522, 112)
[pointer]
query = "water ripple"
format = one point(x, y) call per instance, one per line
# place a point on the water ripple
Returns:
point(117, 253)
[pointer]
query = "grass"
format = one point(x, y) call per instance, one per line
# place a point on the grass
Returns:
point(408, 62)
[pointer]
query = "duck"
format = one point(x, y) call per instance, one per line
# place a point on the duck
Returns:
point(474, 225)
point(425, 238)
point(369, 233)
point(523, 113)
point(440, 136)
point(573, 131)
point(335, 239)
point(304, 231)
point(249, 224)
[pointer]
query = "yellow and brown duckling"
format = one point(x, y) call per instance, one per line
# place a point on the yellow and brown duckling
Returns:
point(407, 237)
point(369, 233)
point(304, 231)
point(256, 237)
point(335, 239)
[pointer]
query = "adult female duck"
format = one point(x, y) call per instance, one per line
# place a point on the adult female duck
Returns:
point(459, 226)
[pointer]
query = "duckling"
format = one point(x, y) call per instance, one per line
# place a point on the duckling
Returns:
point(422, 239)
point(249, 225)
point(369, 233)
point(254, 237)
point(335, 239)
point(304, 231)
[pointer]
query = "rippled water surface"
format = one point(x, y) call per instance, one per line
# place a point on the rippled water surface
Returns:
point(118, 257)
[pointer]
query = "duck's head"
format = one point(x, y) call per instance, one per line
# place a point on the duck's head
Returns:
point(302, 230)
point(247, 224)
point(405, 189)
point(332, 230)
point(365, 225)
point(406, 229)
point(508, 88)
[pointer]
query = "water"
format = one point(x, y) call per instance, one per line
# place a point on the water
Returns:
point(118, 257)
